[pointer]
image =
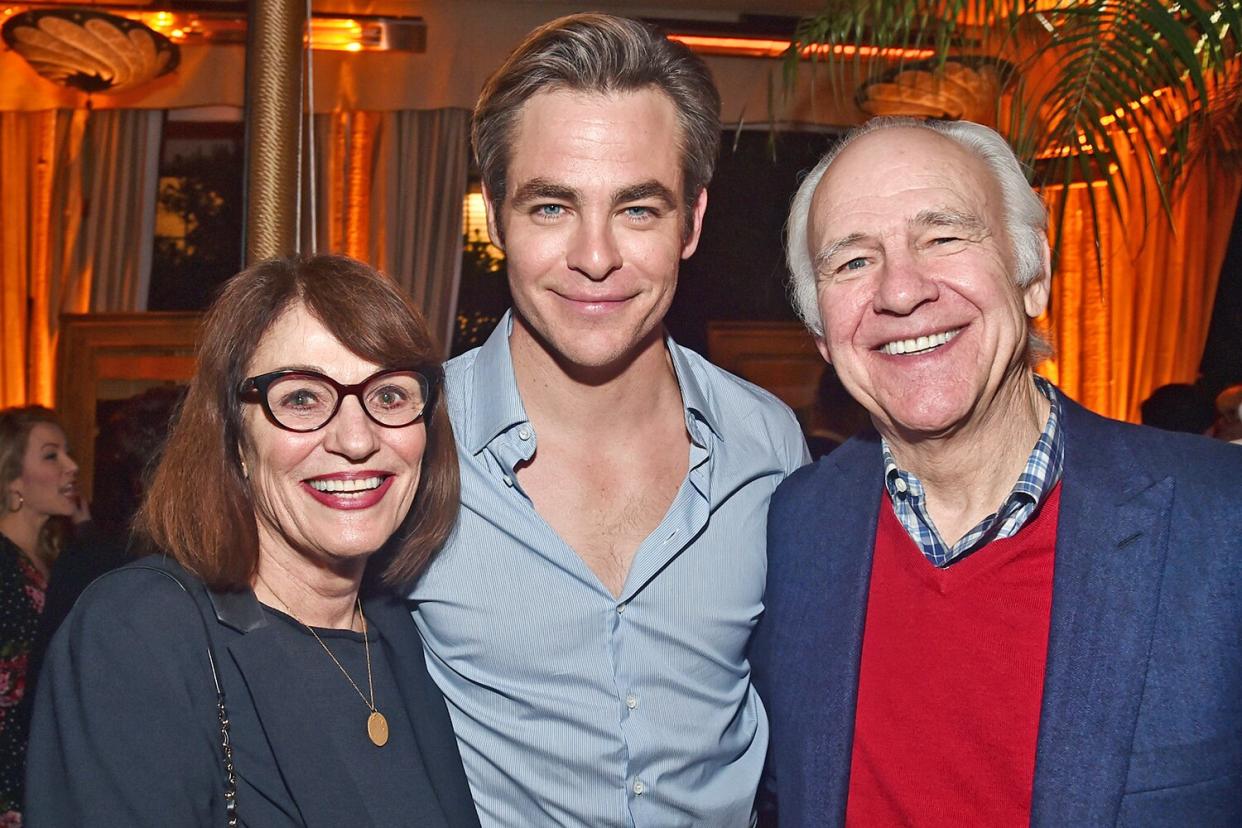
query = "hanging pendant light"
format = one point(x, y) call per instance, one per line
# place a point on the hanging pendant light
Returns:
point(90, 50)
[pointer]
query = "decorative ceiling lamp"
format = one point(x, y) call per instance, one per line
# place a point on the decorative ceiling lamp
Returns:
point(90, 50)
point(959, 90)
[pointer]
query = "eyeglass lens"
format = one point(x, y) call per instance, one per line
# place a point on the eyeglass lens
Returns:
point(305, 402)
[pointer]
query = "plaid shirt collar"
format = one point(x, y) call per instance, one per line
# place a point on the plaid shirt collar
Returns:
point(1041, 474)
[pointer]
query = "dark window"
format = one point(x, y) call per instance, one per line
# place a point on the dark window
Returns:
point(198, 224)
point(483, 295)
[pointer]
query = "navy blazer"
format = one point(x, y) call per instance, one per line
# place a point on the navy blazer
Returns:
point(1141, 719)
point(125, 728)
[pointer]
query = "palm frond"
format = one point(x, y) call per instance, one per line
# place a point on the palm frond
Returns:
point(1096, 83)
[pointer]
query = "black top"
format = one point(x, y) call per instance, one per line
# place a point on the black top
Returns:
point(126, 732)
point(91, 552)
point(392, 780)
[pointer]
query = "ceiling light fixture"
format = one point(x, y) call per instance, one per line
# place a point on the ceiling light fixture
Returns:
point(89, 50)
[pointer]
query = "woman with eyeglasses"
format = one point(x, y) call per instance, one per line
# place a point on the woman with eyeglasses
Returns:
point(264, 670)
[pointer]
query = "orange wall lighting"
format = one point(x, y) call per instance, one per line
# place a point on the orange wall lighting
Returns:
point(757, 47)
point(342, 34)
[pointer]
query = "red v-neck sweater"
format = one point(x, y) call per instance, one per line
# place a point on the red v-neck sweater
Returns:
point(951, 680)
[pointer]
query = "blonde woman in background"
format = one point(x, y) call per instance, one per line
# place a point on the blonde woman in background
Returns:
point(39, 482)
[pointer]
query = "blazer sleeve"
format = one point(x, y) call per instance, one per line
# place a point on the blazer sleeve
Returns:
point(124, 729)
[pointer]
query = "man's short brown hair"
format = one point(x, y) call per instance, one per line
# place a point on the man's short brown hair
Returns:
point(602, 54)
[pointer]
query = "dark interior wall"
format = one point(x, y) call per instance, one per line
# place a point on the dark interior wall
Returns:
point(738, 271)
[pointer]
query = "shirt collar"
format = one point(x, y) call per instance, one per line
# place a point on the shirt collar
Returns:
point(694, 396)
point(496, 406)
point(1041, 473)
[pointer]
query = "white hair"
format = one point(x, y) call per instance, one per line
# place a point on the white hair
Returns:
point(1026, 218)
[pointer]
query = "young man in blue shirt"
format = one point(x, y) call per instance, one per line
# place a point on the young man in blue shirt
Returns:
point(589, 620)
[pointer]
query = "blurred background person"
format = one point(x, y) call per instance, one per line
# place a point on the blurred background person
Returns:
point(131, 437)
point(833, 417)
point(312, 433)
point(40, 484)
point(1179, 406)
point(1229, 414)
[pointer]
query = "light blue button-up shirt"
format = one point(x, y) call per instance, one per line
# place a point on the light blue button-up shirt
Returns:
point(572, 706)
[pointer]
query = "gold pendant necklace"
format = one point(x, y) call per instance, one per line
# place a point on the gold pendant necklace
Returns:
point(377, 725)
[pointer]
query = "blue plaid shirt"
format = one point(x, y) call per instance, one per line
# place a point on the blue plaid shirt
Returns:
point(1042, 473)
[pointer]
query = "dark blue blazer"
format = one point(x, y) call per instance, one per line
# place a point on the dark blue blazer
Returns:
point(1141, 721)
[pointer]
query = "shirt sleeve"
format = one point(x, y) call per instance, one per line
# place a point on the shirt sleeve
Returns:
point(124, 729)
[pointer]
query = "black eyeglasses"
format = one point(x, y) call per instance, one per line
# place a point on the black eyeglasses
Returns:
point(307, 400)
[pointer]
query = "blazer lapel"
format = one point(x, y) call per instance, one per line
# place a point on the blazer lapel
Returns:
point(844, 537)
point(309, 761)
point(424, 705)
point(1112, 537)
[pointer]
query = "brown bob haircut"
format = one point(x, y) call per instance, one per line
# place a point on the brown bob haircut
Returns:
point(199, 508)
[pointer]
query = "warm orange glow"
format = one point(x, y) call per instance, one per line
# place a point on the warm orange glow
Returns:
point(770, 48)
point(1108, 120)
point(1121, 326)
point(358, 182)
point(339, 34)
point(342, 34)
point(474, 221)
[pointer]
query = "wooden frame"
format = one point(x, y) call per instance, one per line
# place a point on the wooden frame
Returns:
point(112, 356)
point(778, 356)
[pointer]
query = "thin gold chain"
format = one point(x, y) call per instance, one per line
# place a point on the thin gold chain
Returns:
point(365, 643)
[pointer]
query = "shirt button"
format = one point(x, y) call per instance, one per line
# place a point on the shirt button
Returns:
point(639, 787)
point(620, 609)
point(900, 485)
point(631, 701)
point(508, 481)
point(523, 433)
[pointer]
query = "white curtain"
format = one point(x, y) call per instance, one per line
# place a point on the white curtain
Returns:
point(422, 163)
point(388, 189)
point(77, 211)
point(120, 182)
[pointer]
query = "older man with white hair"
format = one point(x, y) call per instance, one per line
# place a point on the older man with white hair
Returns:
point(997, 608)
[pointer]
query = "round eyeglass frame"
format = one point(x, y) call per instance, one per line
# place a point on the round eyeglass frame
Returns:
point(254, 389)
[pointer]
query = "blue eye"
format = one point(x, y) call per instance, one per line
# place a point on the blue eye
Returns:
point(549, 210)
point(854, 264)
point(639, 212)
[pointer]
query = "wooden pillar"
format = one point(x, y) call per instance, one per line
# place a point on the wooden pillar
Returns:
point(273, 127)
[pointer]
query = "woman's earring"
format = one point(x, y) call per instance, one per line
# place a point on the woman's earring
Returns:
point(21, 501)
